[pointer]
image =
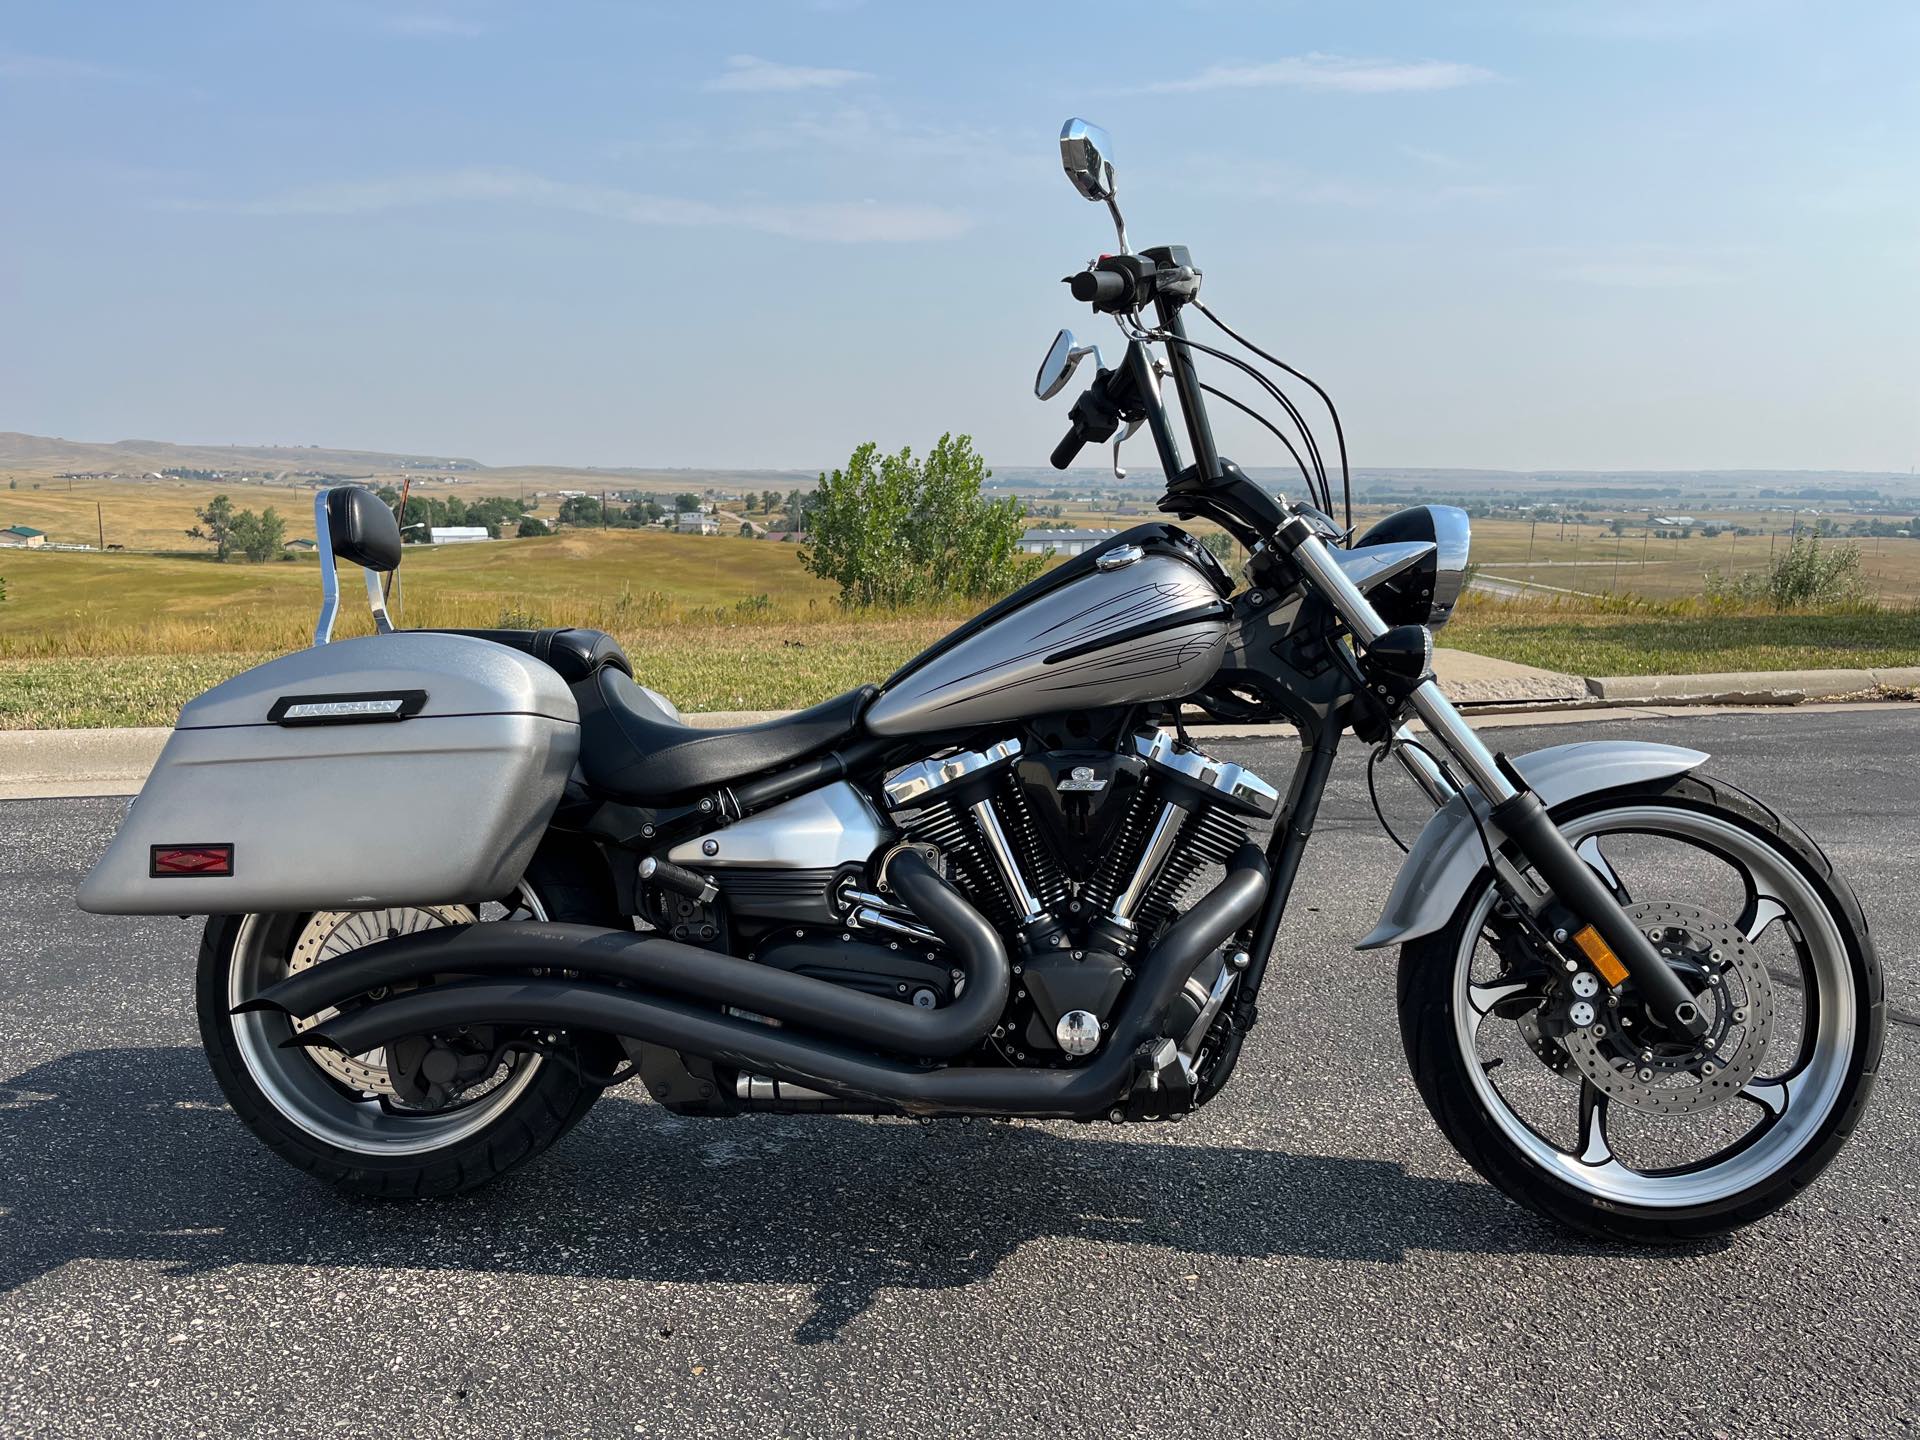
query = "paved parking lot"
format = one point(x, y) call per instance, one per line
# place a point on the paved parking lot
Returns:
point(1307, 1257)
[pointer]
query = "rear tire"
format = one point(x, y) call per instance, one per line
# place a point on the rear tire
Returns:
point(1650, 1207)
point(385, 1155)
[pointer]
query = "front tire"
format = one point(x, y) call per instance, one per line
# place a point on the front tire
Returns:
point(1463, 992)
point(325, 1115)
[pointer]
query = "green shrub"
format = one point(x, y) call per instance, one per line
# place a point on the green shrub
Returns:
point(1805, 575)
point(894, 532)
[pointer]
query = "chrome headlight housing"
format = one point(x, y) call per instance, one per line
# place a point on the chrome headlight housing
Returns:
point(1425, 592)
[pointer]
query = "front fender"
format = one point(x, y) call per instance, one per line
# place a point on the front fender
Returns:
point(1447, 856)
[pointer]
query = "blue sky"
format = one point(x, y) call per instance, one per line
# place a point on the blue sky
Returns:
point(1576, 235)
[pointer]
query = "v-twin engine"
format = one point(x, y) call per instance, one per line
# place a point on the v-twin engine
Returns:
point(1079, 857)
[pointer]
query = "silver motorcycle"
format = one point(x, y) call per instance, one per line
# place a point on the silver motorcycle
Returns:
point(461, 881)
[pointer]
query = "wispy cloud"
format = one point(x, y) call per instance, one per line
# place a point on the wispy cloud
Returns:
point(15, 66)
point(834, 222)
point(751, 73)
point(1435, 159)
point(1654, 267)
point(1344, 73)
point(1651, 20)
point(431, 26)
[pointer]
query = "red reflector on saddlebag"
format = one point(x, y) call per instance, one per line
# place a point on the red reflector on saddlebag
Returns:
point(184, 860)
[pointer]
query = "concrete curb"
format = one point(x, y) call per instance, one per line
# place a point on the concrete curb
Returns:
point(1749, 687)
point(40, 764)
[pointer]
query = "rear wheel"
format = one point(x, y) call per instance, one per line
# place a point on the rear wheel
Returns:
point(347, 1119)
point(1559, 1088)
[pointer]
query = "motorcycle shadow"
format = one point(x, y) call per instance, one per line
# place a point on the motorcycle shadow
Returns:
point(130, 1154)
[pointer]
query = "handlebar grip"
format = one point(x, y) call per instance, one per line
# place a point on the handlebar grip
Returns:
point(1064, 453)
point(1101, 289)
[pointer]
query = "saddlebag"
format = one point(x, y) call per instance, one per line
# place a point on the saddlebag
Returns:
point(400, 769)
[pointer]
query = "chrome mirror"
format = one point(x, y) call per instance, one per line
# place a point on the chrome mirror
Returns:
point(1086, 153)
point(1062, 360)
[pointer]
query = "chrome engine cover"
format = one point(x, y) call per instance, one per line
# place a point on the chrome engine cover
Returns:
point(782, 862)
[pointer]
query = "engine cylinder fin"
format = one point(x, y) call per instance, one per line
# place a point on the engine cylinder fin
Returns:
point(954, 835)
point(1039, 865)
point(1117, 867)
point(1210, 836)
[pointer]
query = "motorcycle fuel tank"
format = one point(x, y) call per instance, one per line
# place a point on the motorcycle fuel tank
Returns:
point(1143, 617)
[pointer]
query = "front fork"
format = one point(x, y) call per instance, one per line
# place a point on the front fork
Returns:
point(1606, 936)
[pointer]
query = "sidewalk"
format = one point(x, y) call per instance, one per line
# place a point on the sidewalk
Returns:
point(37, 764)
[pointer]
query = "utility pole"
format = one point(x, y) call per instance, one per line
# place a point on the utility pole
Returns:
point(100, 519)
point(1532, 525)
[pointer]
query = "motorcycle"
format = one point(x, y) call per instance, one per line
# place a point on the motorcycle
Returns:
point(459, 882)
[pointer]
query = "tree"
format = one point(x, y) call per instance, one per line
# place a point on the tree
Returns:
point(684, 502)
point(580, 510)
point(216, 525)
point(769, 499)
point(894, 531)
point(3, 589)
point(530, 527)
point(259, 537)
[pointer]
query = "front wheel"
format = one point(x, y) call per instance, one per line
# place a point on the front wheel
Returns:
point(343, 1118)
point(1560, 1089)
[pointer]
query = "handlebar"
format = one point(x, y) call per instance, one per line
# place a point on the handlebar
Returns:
point(1102, 289)
point(1095, 415)
point(1068, 449)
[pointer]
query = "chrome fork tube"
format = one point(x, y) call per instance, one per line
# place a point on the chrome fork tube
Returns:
point(1426, 773)
point(1445, 722)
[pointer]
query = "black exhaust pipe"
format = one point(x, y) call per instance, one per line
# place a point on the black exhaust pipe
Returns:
point(821, 1064)
point(656, 964)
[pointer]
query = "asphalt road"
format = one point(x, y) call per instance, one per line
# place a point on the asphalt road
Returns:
point(1307, 1257)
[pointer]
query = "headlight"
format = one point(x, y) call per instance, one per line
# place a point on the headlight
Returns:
point(1423, 594)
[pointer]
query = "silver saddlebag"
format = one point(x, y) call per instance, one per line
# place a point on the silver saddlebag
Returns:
point(400, 769)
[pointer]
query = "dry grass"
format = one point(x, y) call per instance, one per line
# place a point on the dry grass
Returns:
point(1629, 635)
point(717, 623)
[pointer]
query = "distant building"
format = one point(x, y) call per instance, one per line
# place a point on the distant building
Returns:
point(693, 522)
point(301, 544)
point(23, 535)
point(1674, 520)
point(1063, 542)
point(458, 534)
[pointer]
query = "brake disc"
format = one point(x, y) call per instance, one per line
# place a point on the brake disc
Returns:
point(332, 933)
point(1631, 1060)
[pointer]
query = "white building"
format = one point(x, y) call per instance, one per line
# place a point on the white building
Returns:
point(693, 522)
point(1063, 542)
point(458, 534)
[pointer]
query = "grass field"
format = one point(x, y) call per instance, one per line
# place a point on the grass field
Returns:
point(717, 623)
point(1628, 637)
point(1585, 558)
point(139, 515)
point(629, 582)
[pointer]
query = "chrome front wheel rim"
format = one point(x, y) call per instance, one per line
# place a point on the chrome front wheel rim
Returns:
point(1789, 1100)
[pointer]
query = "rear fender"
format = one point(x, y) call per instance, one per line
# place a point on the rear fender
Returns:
point(1447, 857)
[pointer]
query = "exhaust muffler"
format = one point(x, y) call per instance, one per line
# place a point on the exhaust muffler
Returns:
point(823, 1064)
point(656, 964)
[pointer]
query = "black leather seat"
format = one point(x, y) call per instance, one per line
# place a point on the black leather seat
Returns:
point(576, 654)
point(632, 750)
